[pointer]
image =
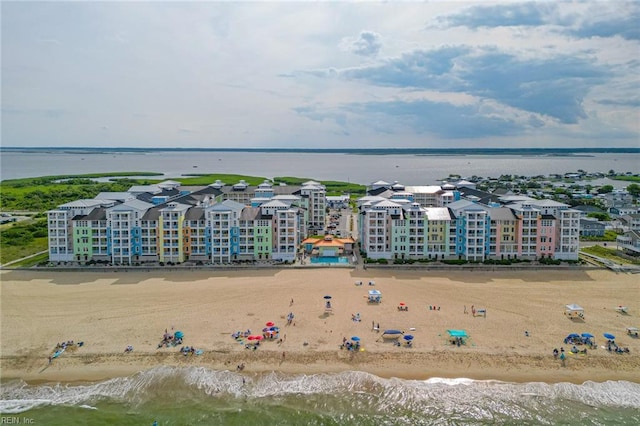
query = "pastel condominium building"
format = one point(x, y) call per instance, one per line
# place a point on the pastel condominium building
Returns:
point(449, 222)
point(217, 224)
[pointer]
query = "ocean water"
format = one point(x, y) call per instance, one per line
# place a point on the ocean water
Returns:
point(199, 396)
point(408, 169)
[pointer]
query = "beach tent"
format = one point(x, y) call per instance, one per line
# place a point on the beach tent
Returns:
point(392, 334)
point(457, 336)
point(375, 296)
point(632, 331)
point(574, 311)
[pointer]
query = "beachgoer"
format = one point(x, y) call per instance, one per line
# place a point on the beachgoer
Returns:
point(291, 302)
point(562, 358)
point(50, 359)
point(526, 333)
point(283, 355)
point(465, 309)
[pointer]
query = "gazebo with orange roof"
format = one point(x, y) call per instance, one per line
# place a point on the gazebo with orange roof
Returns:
point(328, 246)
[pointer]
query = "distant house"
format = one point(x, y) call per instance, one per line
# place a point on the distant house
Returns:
point(591, 228)
point(338, 201)
point(629, 242)
point(585, 209)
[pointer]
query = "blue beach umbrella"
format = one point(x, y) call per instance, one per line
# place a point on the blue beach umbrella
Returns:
point(573, 335)
point(355, 338)
point(327, 297)
point(587, 335)
point(179, 334)
point(609, 336)
point(408, 337)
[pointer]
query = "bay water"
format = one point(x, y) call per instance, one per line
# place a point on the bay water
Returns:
point(409, 169)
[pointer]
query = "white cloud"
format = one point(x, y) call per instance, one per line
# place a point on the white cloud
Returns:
point(237, 74)
point(368, 43)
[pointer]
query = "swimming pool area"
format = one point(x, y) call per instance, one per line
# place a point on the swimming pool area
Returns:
point(330, 259)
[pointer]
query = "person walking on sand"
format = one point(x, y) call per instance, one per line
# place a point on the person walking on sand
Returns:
point(563, 357)
point(465, 309)
point(283, 355)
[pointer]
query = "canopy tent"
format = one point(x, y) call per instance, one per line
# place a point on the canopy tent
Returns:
point(457, 333)
point(392, 332)
point(574, 307)
point(375, 296)
point(574, 311)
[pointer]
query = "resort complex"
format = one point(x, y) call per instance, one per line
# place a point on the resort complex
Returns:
point(222, 223)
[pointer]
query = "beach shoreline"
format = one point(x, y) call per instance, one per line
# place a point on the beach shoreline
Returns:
point(110, 311)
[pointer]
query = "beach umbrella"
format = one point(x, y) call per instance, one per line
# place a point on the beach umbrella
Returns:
point(609, 336)
point(392, 332)
point(408, 337)
point(402, 303)
point(327, 297)
point(355, 338)
point(587, 335)
point(179, 334)
point(274, 329)
point(573, 335)
point(270, 324)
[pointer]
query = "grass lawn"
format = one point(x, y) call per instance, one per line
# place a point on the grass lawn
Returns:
point(9, 252)
point(32, 261)
point(611, 254)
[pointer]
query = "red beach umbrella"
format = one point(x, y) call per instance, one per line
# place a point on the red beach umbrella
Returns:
point(402, 303)
point(270, 324)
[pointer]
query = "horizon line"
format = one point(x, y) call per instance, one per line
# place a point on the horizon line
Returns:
point(327, 150)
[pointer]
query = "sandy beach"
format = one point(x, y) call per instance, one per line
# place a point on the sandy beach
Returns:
point(109, 311)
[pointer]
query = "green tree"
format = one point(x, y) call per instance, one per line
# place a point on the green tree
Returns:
point(634, 189)
point(605, 189)
point(602, 217)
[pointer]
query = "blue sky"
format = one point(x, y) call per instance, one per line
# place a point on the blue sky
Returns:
point(321, 74)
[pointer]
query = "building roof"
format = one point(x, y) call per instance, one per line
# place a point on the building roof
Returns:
point(174, 206)
point(501, 213)
point(438, 213)
point(423, 189)
point(84, 203)
point(132, 204)
point(152, 214)
point(250, 213)
point(138, 189)
point(117, 196)
point(194, 213)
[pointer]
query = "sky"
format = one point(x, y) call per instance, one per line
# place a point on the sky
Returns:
point(321, 74)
